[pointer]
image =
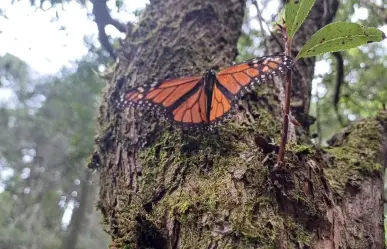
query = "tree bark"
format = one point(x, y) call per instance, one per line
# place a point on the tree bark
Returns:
point(170, 188)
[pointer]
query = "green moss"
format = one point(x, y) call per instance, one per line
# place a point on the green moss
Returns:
point(258, 221)
point(212, 171)
point(214, 178)
point(357, 156)
point(300, 148)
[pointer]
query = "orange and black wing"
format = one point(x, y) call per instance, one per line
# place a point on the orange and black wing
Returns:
point(182, 100)
point(186, 101)
point(192, 109)
point(237, 78)
point(159, 95)
point(221, 103)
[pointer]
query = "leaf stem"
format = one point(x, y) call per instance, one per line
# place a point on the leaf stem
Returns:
point(288, 90)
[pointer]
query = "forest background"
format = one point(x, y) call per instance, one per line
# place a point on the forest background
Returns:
point(51, 56)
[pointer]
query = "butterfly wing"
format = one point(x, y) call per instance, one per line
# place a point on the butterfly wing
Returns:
point(192, 109)
point(221, 103)
point(196, 109)
point(183, 100)
point(229, 85)
point(162, 95)
point(238, 77)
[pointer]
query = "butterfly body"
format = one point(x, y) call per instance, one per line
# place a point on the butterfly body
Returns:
point(206, 99)
point(209, 83)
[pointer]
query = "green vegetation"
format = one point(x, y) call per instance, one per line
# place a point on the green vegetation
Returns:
point(50, 129)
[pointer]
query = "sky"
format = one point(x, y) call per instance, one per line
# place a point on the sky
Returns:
point(38, 38)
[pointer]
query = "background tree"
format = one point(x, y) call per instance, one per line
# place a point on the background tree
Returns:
point(49, 136)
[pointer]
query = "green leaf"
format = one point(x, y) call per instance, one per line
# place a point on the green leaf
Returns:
point(339, 36)
point(295, 14)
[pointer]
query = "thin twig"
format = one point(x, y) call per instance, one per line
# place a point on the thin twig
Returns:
point(260, 19)
point(277, 41)
point(281, 154)
point(318, 124)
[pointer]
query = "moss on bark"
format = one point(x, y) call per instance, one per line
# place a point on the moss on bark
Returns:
point(216, 186)
point(355, 154)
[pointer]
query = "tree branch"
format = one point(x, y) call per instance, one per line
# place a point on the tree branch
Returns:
point(260, 19)
point(339, 83)
point(102, 19)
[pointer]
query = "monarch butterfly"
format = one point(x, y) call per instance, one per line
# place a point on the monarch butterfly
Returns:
point(205, 100)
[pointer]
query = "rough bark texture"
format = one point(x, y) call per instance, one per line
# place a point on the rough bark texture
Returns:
point(166, 188)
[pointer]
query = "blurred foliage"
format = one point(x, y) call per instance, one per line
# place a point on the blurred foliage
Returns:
point(252, 39)
point(50, 129)
point(363, 93)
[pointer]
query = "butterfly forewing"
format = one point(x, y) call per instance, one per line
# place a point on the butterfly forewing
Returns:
point(169, 92)
point(257, 70)
point(163, 94)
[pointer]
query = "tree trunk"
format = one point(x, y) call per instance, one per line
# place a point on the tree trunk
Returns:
point(78, 217)
point(167, 188)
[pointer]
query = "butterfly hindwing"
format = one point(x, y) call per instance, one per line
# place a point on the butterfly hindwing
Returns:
point(221, 103)
point(193, 109)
